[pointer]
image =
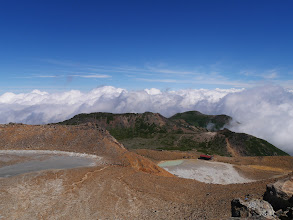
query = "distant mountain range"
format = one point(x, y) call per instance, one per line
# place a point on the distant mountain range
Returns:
point(186, 131)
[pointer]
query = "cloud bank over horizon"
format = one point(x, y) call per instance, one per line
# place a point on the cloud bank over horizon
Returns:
point(265, 112)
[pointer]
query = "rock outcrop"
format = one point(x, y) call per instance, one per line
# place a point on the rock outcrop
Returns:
point(280, 196)
point(253, 209)
point(277, 203)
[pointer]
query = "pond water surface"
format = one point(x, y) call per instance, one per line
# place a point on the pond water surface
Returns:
point(18, 162)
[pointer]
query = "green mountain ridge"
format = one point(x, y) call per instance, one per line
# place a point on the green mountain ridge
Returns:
point(210, 122)
point(185, 131)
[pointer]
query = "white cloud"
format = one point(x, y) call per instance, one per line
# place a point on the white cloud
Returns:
point(46, 76)
point(268, 74)
point(85, 75)
point(200, 81)
point(273, 74)
point(163, 80)
point(99, 76)
point(265, 112)
point(153, 91)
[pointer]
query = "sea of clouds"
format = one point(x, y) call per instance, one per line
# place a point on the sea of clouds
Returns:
point(265, 112)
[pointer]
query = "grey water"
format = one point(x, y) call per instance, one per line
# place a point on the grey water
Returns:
point(38, 162)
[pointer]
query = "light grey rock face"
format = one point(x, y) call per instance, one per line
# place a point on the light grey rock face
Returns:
point(280, 194)
point(253, 209)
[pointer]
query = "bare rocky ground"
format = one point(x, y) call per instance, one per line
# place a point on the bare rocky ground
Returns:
point(126, 186)
point(115, 192)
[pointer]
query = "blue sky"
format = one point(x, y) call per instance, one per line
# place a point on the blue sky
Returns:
point(65, 44)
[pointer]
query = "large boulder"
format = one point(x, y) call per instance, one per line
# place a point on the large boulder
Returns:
point(280, 194)
point(253, 209)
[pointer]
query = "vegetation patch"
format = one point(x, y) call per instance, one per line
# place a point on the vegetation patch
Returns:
point(197, 119)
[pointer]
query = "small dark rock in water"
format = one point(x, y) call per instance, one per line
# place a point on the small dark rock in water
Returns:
point(253, 209)
point(280, 194)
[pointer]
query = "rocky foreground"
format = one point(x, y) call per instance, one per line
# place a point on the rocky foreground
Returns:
point(277, 203)
point(126, 186)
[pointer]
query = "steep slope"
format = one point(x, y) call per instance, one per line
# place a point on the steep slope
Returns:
point(86, 138)
point(183, 131)
point(248, 145)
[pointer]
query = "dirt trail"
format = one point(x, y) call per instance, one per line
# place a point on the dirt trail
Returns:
point(178, 140)
point(231, 150)
point(75, 185)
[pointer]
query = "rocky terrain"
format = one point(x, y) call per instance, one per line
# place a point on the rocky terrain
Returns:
point(277, 203)
point(87, 138)
point(183, 131)
point(127, 184)
point(116, 192)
